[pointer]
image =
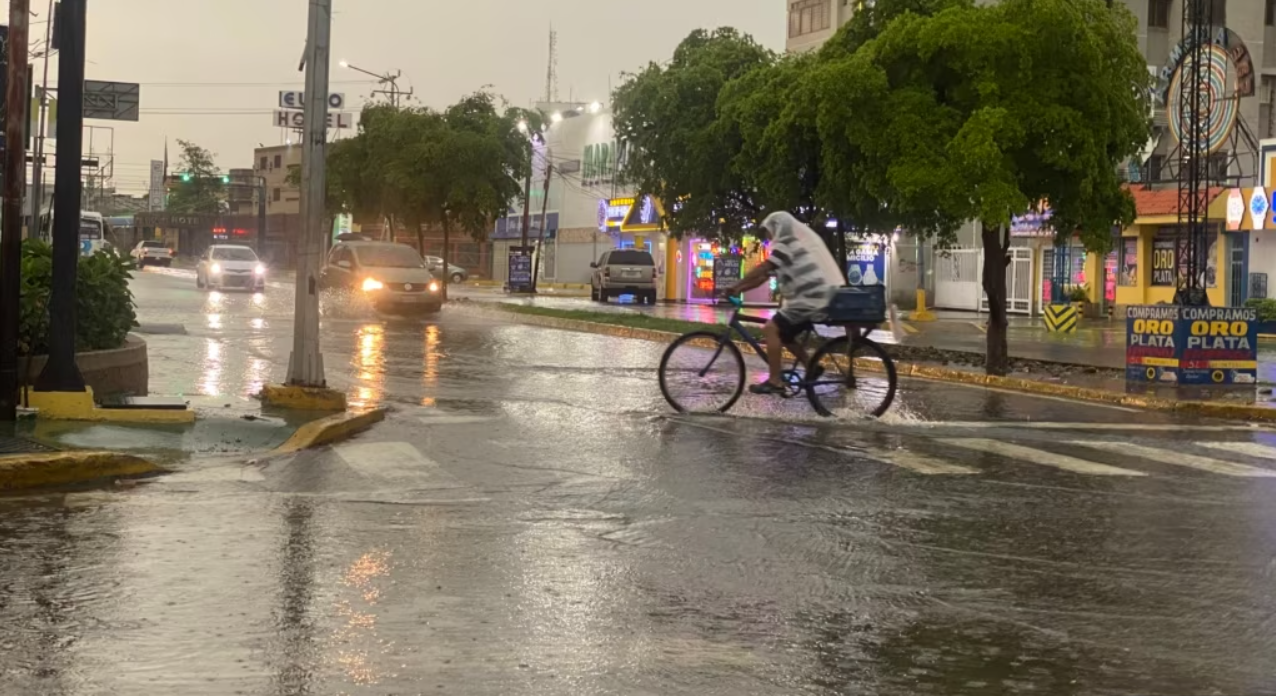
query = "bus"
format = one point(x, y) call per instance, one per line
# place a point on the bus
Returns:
point(93, 237)
point(92, 233)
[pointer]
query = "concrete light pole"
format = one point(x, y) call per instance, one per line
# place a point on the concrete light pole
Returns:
point(15, 182)
point(305, 366)
point(391, 79)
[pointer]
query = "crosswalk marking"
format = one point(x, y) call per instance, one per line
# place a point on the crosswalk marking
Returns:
point(1249, 449)
point(919, 463)
point(1051, 425)
point(392, 460)
point(1175, 458)
point(1031, 455)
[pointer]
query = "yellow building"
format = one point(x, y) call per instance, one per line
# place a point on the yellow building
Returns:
point(1151, 253)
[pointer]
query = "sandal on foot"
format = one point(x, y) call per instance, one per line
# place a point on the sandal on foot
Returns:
point(768, 388)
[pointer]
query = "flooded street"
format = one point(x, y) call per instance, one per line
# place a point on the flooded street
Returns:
point(532, 518)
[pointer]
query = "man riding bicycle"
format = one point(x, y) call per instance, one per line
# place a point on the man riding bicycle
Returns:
point(808, 277)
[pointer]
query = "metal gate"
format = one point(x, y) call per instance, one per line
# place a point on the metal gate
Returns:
point(1018, 283)
point(957, 279)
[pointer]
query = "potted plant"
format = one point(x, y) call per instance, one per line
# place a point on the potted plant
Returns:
point(1079, 297)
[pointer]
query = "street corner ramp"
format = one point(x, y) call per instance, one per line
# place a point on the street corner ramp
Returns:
point(330, 429)
point(26, 471)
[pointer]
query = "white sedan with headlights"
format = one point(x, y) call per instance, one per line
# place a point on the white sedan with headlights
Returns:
point(226, 266)
point(392, 276)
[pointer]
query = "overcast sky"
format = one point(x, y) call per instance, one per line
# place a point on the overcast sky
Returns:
point(211, 70)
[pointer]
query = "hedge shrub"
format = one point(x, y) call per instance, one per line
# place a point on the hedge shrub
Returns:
point(105, 311)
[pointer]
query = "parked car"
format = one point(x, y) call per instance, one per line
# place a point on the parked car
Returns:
point(151, 252)
point(454, 274)
point(624, 272)
point(392, 276)
point(224, 266)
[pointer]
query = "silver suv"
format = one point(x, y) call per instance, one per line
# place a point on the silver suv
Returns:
point(624, 272)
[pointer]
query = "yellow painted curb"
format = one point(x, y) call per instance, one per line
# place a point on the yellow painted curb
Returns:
point(303, 398)
point(22, 471)
point(327, 430)
point(80, 406)
point(947, 374)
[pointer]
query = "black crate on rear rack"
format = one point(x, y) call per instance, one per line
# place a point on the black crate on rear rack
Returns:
point(858, 304)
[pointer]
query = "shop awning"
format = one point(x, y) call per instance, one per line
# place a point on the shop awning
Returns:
point(1161, 206)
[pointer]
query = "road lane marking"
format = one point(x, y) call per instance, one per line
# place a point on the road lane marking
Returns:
point(904, 459)
point(919, 463)
point(1249, 449)
point(444, 418)
point(393, 461)
point(1043, 457)
point(1050, 425)
point(1175, 458)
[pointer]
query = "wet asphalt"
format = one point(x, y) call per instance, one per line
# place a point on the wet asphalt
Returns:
point(532, 519)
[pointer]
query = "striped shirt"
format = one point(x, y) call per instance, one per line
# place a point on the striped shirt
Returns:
point(807, 273)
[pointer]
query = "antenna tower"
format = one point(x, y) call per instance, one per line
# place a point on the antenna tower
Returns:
point(551, 74)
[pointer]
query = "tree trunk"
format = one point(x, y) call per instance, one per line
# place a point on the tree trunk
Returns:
point(420, 238)
point(446, 256)
point(996, 257)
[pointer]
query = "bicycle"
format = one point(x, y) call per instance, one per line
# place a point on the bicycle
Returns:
point(849, 364)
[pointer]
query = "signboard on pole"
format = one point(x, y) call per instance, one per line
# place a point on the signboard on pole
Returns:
point(728, 269)
point(866, 264)
point(1192, 345)
point(520, 269)
point(112, 101)
point(297, 101)
point(155, 201)
point(297, 119)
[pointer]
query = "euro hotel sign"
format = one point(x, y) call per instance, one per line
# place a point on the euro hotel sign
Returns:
point(1192, 345)
point(297, 119)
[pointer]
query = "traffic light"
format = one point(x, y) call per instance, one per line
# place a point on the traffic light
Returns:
point(186, 177)
point(225, 179)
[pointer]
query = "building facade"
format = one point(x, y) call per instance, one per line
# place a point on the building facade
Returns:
point(812, 22)
point(274, 164)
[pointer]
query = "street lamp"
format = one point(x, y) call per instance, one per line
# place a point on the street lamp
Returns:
point(388, 78)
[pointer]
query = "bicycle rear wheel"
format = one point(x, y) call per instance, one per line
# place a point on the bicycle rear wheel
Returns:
point(859, 377)
point(702, 373)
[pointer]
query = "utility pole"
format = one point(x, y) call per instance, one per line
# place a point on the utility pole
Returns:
point(540, 245)
point(15, 183)
point(60, 373)
point(261, 216)
point(37, 167)
point(305, 365)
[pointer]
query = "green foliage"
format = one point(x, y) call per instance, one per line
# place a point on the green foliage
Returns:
point(459, 167)
point(1266, 308)
point(682, 151)
point(204, 192)
point(104, 304)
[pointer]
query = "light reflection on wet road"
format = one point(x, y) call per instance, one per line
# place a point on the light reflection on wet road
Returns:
point(531, 519)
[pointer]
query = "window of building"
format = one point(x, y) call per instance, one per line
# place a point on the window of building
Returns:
point(279, 161)
point(264, 163)
point(1217, 166)
point(1156, 168)
point(808, 16)
point(277, 194)
point(1269, 13)
point(1159, 14)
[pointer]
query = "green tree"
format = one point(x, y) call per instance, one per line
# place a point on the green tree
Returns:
point(980, 113)
point(681, 149)
point(199, 187)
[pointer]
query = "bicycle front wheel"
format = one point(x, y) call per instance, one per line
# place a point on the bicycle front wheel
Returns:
point(859, 377)
point(702, 373)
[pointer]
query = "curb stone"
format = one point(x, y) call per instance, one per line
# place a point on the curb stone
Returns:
point(945, 374)
point(24, 471)
point(330, 429)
